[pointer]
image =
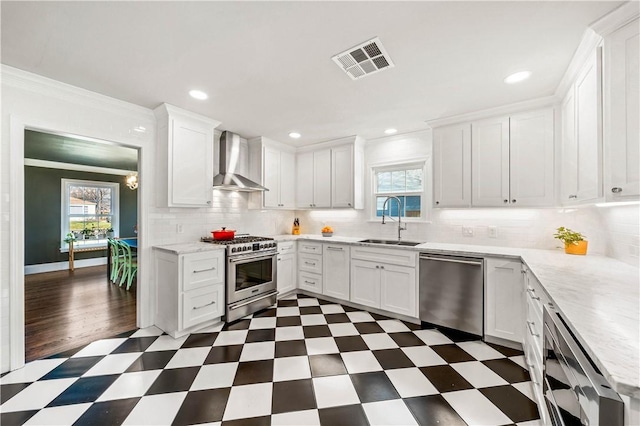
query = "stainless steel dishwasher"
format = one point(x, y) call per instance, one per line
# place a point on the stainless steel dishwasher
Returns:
point(452, 292)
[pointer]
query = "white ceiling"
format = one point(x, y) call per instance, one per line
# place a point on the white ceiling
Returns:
point(267, 65)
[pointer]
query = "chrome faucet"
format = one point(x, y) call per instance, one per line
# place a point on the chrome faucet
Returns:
point(384, 207)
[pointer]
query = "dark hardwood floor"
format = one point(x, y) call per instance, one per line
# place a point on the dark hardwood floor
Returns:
point(65, 310)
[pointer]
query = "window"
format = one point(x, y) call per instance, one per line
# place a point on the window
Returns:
point(404, 181)
point(89, 210)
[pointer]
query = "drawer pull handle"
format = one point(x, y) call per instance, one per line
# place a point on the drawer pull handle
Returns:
point(203, 270)
point(204, 306)
point(335, 248)
point(533, 367)
point(531, 291)
point(310, 263)
point(530, 325)
point(309, 282)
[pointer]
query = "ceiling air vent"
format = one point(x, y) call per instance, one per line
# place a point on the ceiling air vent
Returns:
point(365, 59)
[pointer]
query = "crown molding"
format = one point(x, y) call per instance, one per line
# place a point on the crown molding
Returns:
point(530, 104)
point(167, 110)
point(617, 18)
point(590, 41)
point(419, 134)
point(19, 79)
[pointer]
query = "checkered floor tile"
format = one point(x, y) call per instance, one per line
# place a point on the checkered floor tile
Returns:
point(305, 361)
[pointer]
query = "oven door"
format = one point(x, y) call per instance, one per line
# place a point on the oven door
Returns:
point(250, 275)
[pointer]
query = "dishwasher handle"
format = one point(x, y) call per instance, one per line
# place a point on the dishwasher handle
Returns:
point(452, 260)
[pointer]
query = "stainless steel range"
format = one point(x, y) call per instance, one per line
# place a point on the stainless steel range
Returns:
point(251, 274)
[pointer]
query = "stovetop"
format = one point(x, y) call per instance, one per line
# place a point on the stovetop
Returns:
point(244, 244)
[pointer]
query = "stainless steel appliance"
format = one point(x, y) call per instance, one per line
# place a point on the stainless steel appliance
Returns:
point(234, 162)
point(251, 274)
point(575, 391)
point(452, 292)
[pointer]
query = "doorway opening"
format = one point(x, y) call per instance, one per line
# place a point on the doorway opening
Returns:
point(76, 200)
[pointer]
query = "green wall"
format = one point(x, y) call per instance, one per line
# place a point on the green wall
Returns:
point(42, 211)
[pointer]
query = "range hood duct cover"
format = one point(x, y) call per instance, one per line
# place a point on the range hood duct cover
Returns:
point(230, 159)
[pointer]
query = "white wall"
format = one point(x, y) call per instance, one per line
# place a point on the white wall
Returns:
point(612, 231)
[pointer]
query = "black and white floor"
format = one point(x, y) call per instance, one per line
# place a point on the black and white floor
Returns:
point(306, 362)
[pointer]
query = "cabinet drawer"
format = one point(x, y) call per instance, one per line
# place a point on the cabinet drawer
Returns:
point(309, 247)
point(310, 262)
point(286, 247)
point(391, 256)
point(533, 325)
point(202, 269)
point(310, 281)
point(201, 305)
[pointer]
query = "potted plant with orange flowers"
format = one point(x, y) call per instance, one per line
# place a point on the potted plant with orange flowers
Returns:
point(574, 242)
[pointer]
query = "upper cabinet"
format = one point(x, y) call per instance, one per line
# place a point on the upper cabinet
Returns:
point(272, 164)
point(452, 166)
point(582, 135)
point(185, 155)
point(622, 113)
point(512, 160)
point(331, 176)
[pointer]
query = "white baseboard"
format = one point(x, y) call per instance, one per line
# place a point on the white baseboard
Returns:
point(61, 266)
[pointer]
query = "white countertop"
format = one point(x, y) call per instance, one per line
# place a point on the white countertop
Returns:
point(194, 247)
point(600, 296)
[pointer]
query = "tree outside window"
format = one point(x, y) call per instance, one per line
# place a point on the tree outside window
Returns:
point(404, 182)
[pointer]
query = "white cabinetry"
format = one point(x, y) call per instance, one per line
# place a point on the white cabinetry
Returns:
point(314, 179)
point(503, 305)
point(190, 290)
point(273, 166)
point(512, 160)
point(335, 264)
point(581, 135)
point(310, 266)
point(286, 270)
point(185, 157)
point(622, 113)
point(452, 166)
point(331, 176)
point(385, 279)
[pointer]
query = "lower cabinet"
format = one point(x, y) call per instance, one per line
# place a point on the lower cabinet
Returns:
point(335, 270)
point(287, 270)
point(310, 266)
point(382, 285)
point(503, 304)
point(190, 290)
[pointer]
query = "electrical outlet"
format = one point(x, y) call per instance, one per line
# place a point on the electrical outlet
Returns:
point(467, 231)
point(493, 232)
point(179, 229)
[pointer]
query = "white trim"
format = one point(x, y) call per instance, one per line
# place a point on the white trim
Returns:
point(590, 41)
point(401, 136)
point(530, 104)
point(400, 165)
point(62, 266)
point(75, 167)
point(617, 18)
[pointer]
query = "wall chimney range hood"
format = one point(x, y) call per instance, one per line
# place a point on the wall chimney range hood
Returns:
point(230, 160)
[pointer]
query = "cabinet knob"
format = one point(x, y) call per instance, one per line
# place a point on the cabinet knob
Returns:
point(377, 266)
point(437, 202)
point(616, 190)
point(513, 201)
point(209, 202)
point(381, 267)
point(505, 201)
point(349, 204)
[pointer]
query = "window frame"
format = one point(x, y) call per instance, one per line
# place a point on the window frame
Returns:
point(399, 166)
point(65, 185)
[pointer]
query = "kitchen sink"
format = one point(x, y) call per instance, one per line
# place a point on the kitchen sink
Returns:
point(391, 242)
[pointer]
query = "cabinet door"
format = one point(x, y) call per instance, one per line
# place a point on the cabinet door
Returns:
point(569, 185)
point(322, 178)
point(336, 271)
point(286, 272)
point(201, 305)
point(398, 289)
point(588, 131)
point(191, 164)
point(504, 307)
point(452, 166)
point(490, 162)
point(622, 113)
point(304, 173)
point(287, 179)
point(365, 283)
point(531, 158)
point(342, 176)
point(271, 177)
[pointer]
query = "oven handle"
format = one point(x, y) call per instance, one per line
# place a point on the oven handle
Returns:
point(259, 256)
point(248, 302)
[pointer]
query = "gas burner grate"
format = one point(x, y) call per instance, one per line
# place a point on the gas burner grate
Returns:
point(237, 240)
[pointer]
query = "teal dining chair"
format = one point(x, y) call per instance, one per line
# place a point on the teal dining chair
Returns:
point(116, 260)
point(129, 264)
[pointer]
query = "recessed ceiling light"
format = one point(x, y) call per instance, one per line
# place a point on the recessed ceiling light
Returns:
point(390, 131)
point(517, 77)
point(198, 94)
point(295, 135)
